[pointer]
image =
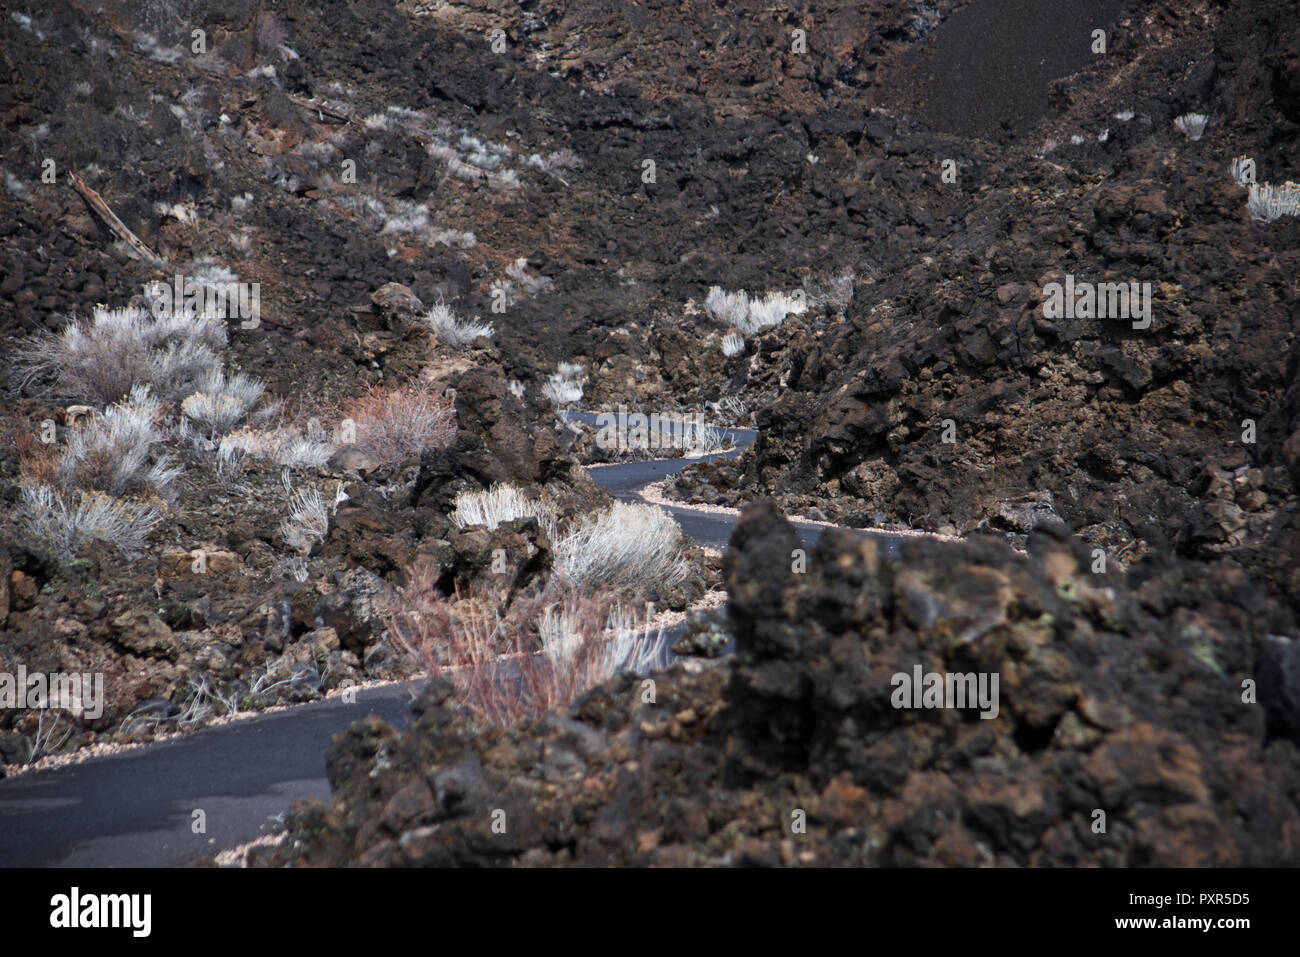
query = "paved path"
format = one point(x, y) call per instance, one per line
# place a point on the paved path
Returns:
point(135, 808)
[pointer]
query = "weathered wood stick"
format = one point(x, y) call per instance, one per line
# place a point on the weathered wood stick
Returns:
point(324, 112)
point(252, 37)
point(133, 242)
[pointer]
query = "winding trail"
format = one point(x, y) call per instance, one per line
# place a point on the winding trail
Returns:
point(625, 482)
point(135, 808)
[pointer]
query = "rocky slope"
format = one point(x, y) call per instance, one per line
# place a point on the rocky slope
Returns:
point(920, 173)
point(179, 641)
point(1122, 736)
point(948, 398)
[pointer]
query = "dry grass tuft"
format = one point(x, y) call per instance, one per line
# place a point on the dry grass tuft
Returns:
point(624, 546)
point(509, 669)
point(65, 521)
point(501, 503)
point(450, 330)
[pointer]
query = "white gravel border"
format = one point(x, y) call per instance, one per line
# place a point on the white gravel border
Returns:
point(654, 495)
point(105, 748)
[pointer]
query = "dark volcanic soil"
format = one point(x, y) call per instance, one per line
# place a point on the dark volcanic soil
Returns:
point(1141, 439)
point(991, 65)
point(937, 165)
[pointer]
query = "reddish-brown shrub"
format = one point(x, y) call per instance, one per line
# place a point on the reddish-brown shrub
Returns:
point(506, 668)
point(396, 425)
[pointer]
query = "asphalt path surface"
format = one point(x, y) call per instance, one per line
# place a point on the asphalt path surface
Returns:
point(713, 529)
point(136, 808)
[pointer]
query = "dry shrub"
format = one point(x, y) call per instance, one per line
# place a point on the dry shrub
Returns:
point(101, 358)
point(36, 459)
point(508, 668)
point(396, 425)
point(222, 401)
point(111, 452)
point(65, 521)
point(269, 31)
point(103, 484)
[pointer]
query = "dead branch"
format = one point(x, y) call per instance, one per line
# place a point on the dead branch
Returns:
point(133, 242)
point(324, 113)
